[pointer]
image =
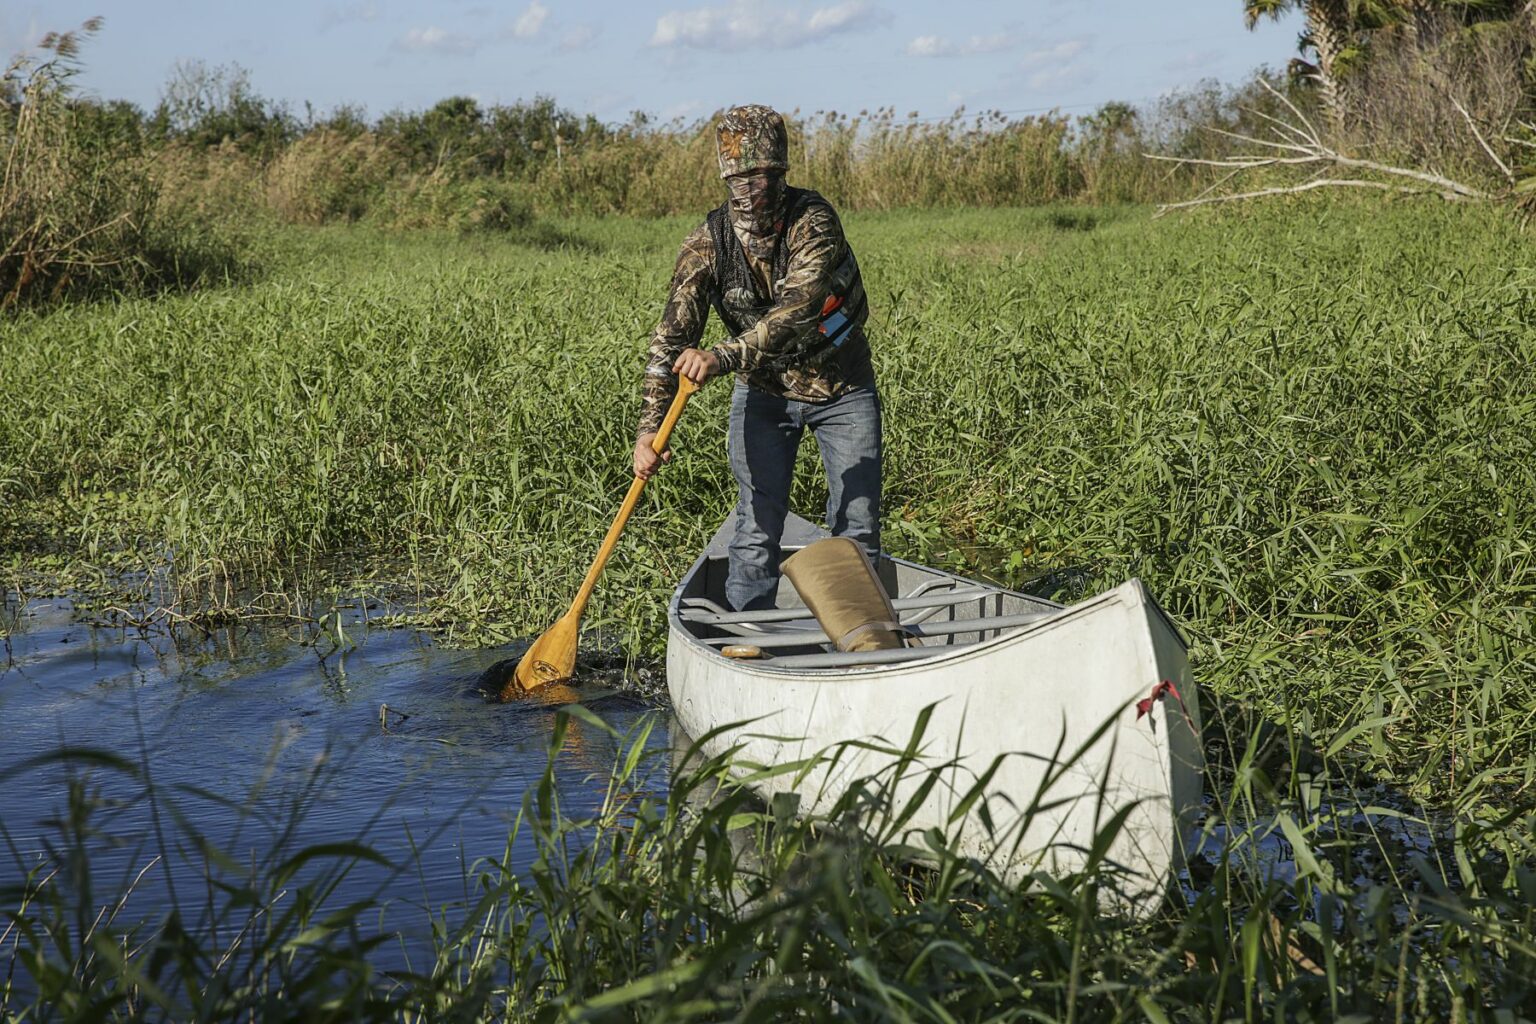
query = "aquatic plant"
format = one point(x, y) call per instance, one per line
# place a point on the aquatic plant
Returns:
point(680, 897)
point(1329, 487)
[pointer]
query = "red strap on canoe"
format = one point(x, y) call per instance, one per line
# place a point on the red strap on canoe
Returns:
point(1166, 686)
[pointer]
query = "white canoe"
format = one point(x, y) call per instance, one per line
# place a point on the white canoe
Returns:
point(1011, 676)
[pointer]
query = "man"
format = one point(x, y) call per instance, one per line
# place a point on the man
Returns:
point(773, 263)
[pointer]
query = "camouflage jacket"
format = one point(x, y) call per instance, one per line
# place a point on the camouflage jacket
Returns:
point(781, 342)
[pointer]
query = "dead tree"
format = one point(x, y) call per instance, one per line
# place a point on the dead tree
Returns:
point(1297, 144)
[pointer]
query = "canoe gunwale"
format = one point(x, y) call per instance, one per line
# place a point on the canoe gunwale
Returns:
point(679, 620)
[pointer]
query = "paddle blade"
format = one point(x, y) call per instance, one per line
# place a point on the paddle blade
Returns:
point(551, 659)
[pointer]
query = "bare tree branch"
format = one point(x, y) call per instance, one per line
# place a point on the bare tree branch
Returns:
point(1310, 145)
point(1440, 181)
point(1289, 129)
point(1288, 190)
point(1301, 145)
point(1312, 131)
point(1509, 175)
point(1213, 186)
point(1241, 163)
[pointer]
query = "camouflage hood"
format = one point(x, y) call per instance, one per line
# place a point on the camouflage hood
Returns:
point(751, 138)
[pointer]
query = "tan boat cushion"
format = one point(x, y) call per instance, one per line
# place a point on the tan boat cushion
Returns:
point(838, 584)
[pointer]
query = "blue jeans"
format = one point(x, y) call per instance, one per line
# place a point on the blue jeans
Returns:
point(765, 435)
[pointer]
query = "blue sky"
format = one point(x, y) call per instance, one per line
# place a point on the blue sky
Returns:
point(675, 58)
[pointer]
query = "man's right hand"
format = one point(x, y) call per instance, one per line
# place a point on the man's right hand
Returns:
point(647, 462)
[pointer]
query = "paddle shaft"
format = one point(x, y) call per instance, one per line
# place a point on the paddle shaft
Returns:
point(685, 387)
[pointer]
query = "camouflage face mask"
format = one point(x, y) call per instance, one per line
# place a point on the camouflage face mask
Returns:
point(757, 202)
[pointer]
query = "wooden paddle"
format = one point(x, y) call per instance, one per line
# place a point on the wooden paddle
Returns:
point(553, 655)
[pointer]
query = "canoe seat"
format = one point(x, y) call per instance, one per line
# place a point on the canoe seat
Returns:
point(803, 632)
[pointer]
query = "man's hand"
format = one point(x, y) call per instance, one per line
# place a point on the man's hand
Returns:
point(697, 365)
point(647, 462)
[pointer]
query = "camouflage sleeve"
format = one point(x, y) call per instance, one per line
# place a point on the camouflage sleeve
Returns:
point(681, 326)
point(816, 248)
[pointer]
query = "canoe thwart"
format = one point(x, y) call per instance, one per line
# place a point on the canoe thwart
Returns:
point(935, 600)
point(853, 659)
point(800, 637)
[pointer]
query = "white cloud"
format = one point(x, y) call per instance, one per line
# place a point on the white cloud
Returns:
point(1059, 52)
point(1194, 60)
point(342, 14)
point(1057, 66)
point(761, 24)
point(1061, 78)
point(579, 37)
point(530, 21)
point(436, 40)
point(938, 46)
point(1055, 55)
point(930, 46)
point(839, 16)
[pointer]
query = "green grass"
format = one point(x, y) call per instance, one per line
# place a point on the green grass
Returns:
point(1307, 427)
point(692, 901)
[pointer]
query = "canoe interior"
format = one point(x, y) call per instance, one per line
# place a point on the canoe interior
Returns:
point(947, 602)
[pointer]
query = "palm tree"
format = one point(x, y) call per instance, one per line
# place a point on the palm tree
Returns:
point(1338, 32)
point(1327, 34)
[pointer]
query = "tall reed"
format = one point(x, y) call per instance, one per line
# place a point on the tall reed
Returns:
point(80, 212)
point(701, 903)
point(68, 216)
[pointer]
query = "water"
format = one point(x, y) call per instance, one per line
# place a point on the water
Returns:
point(255, 716)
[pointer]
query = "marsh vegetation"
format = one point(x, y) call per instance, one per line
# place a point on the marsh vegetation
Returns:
point(1306, 428)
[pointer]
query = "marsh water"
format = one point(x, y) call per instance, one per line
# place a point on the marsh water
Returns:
point(378, 736)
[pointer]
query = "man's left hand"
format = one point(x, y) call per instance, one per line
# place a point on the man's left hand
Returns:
point(697, 365)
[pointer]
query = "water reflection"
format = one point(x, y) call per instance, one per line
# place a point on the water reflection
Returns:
point(1367, 837)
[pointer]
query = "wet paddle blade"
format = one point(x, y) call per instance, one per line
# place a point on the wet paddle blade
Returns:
point(551, 659)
